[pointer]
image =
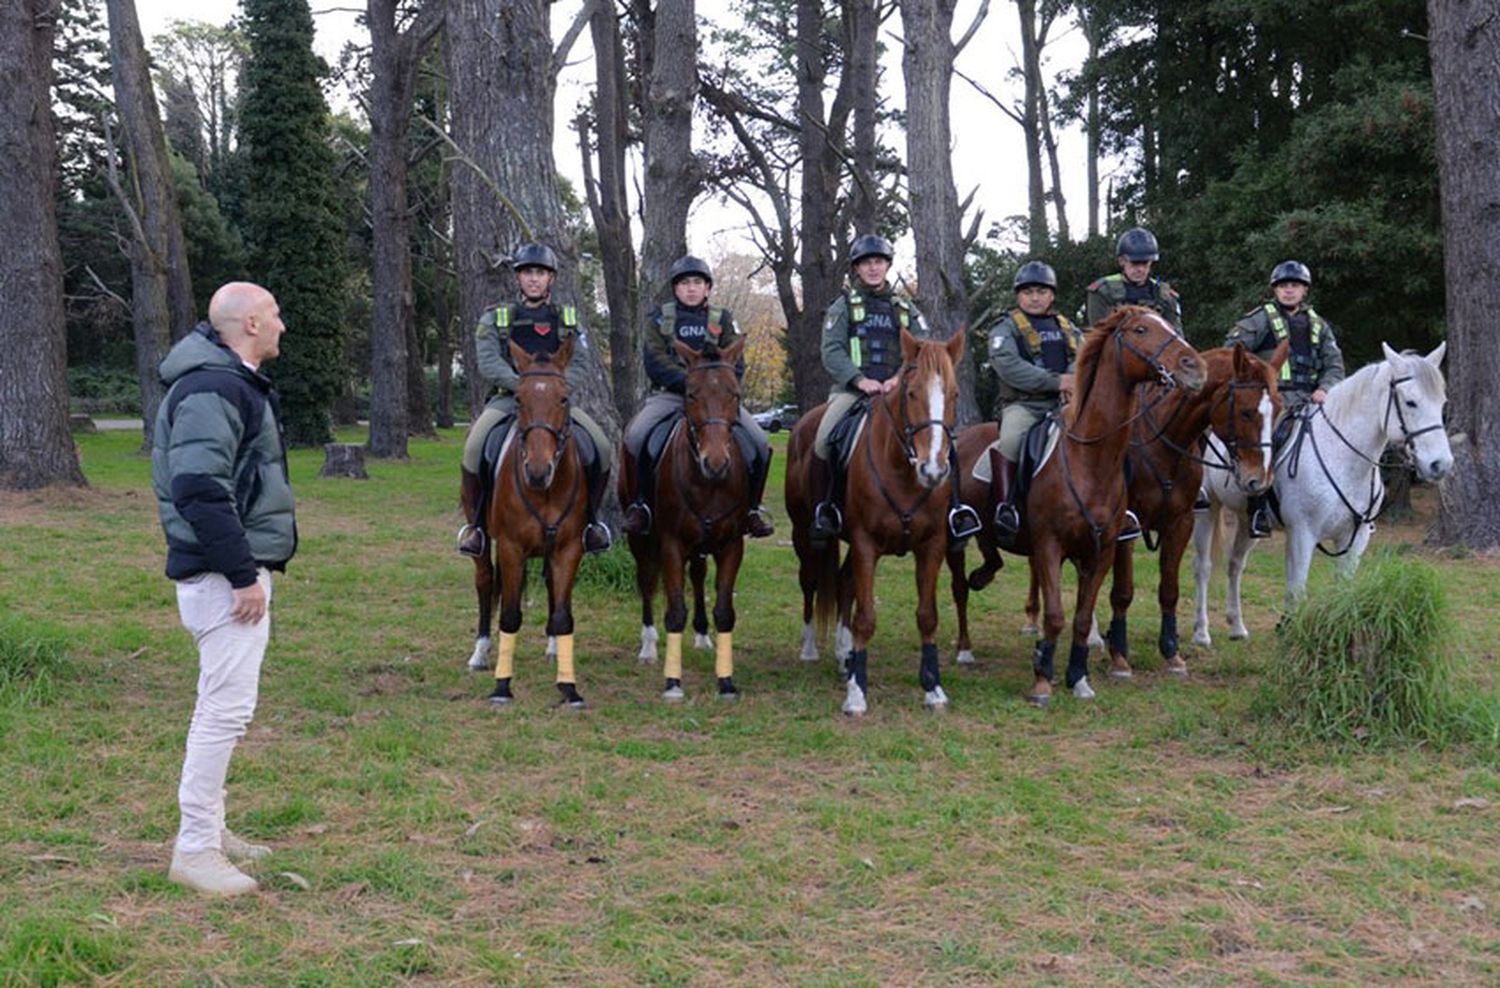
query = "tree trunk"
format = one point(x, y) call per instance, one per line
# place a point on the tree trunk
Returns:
point(936, 221)
point(1031, 67)
point(36, 448)
point(506, 192)
point(1092, 32)
point(671, 174)
point(161, 304)
point(861, 62)
point(1465, 47)
point(609, 204)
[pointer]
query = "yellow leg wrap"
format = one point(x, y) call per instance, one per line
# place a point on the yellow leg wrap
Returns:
point(724, 655)
point(565, 659)
point(672, 668)
point(505, 661)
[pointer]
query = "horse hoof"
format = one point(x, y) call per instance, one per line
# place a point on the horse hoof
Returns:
point(1032, 630)
point(477, 664)
point(703, 642)
point(500, 702)
point(1204, 640)
point(808, 654)
point(979, 579)
point(1176, 667)
point(1122, 674)
point(729, 695)
point(480, 658)
point(647, 658)
point(575, 703)
point(1039, 700)
point(673, 694)
point(854, 701)
point(936, 700)
point(1082, 690)
point(1238, 636)
point(965, 658)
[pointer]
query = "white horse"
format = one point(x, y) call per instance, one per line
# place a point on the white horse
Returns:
point(1328, 476)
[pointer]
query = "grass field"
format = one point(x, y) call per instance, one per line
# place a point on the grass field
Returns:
point(1154, 836)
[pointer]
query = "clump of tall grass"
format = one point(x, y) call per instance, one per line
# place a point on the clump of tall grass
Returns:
point(1370, 660)
point(30, 656)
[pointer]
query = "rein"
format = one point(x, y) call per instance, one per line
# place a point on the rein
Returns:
point(684, 484)
point(549, 529)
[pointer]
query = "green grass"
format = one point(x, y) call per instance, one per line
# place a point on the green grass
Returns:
point(1159, 835)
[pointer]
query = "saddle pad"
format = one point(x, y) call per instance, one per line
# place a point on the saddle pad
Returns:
point(981, 471)
point(495, 446)
point(846, 434)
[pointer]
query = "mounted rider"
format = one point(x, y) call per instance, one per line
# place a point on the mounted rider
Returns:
point(1313, 365)
point(538, 325)
point(1135, 251)
point(861, 352)
point(690, 320)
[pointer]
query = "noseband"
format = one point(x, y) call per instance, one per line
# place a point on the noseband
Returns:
point(1153, 360)
point(561, 436)
point(906, 429)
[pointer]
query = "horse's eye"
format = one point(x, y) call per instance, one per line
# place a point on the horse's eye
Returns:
point(1410, 403)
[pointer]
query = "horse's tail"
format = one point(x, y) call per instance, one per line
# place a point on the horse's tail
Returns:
point(826, 597)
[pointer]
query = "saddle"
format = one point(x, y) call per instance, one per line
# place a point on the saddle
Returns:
point(1286, 450)
point(498, 441)
point(845, 434)
point(1036, 449)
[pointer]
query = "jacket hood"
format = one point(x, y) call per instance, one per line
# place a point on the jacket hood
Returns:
point(201, 349)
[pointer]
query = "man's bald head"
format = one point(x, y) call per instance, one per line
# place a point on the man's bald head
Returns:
point(247, 319)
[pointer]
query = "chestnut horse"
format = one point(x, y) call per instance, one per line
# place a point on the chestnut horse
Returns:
point(700, 511)
point(1075, 503)
point(896, 500)
point(537, 510)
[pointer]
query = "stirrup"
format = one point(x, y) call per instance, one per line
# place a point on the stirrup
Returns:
point(759, 524)
point(462, 541)
point(641, 510)
point(963, 522)
point(1260, 523)
point(1007, 519)
point(828, 520)
point(600, 531)
point(1130, 529)
point(1201, 504)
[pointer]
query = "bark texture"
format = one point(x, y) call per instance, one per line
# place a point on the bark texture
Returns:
point(36, 448)
point(1465, 46)
point(672, 178)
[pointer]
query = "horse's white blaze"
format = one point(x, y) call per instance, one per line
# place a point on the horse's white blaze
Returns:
point(1265, 431)
point(936, 411)
point(481, 657)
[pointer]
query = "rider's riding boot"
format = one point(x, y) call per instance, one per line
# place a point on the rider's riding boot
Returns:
point(596, 537)
point(758, 523)
point(963, 521)
point(826, 521)
point(471, 538)
point(642, 479)
point(1002, 480)
point(1130, 527)
point(1201, 503)
point(1260, 516)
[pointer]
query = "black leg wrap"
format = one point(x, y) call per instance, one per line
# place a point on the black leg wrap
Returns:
point(727, 687)
point(929, 674)
point(1117, 638)
point(1041, 659)
point(1078, 664)
point(502, 691)
point(859, 668)
point(1168, 640)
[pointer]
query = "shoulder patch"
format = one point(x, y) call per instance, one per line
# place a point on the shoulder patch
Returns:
point(1096, 285)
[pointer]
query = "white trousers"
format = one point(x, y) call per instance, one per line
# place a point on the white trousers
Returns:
point(229, 657)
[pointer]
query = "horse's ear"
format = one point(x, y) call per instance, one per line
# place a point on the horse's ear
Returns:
point(955, 344)
point(519, 357)
point(1435, 358)
point(731, 353)
point(1279, 355)
point(564, 351)
point(909, 347)
point(685, 353)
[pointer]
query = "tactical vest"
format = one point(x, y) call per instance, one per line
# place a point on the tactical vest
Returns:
point(875, 326)
point(713, 329)
point(1301, 369)
point(1039, 353)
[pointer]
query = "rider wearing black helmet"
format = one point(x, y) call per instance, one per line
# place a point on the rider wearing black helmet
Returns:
point(538, 325)
point(1314, 364)
point(691, 320)
point(1032, 351)
point(1136, 251)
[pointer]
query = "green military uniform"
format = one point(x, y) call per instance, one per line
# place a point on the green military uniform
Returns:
point(1029, 355)
point(1113, 291)
point(530, 328)
point(1314, 361)
point(862, 339)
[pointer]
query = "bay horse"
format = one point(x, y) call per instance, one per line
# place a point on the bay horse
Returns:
point(537, 509)
point(1328, 475)
point(896, 501)
point(1077, 499)
point(702, 502)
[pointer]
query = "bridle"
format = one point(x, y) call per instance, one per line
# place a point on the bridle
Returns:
point(906, 432)
point(1153, 360)
point(706, 522)
point(561, 436)
point(693, 425)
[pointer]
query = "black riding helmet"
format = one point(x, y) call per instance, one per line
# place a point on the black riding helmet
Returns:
point(871, 245)
point(688, 264)
point(534, 256)
point(1137, 244)
point(1291, 271)
point(1035, 273)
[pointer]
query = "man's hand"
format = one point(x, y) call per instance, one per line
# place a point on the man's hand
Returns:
point(1318, 395)
point(249, 604)
point(1065, 388)
point(869, 387)
point(891, 384)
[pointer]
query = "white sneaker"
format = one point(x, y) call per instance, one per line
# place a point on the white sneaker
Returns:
point(238, 849)
point(209, 872)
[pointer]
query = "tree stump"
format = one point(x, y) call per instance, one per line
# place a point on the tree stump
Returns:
point(81, 423)
point(344, 460)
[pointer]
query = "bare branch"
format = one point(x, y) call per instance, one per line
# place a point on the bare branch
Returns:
point(979, 16)
point(98, 283)
point(565, 45)
point(462, 156)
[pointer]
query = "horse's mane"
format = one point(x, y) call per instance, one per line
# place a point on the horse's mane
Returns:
point(1086, 364)
point(932, 358)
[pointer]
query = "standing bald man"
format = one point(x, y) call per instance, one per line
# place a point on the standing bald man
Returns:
point(225, 501)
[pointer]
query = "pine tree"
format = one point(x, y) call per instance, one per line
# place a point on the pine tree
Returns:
point(295, 232)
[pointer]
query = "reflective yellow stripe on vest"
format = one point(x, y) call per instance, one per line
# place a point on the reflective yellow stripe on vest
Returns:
point(1034, 338)
point(900, 303)
point(1279, 326)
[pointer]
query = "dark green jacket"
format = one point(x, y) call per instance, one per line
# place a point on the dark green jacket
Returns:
point(219, 465)
point(1108, 294)
point(1320, 365)
point(1018, 366)
point(696, 327)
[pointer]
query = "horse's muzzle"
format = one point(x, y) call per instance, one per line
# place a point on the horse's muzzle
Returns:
point(930, 478)
point(539, 480)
